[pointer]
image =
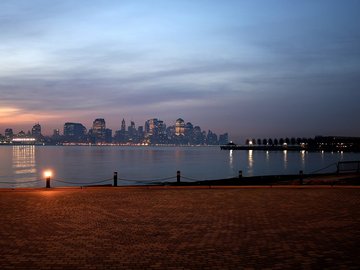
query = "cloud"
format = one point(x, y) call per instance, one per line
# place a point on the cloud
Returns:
point(220, 64)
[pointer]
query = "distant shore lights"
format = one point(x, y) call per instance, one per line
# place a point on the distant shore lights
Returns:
point(24, 140)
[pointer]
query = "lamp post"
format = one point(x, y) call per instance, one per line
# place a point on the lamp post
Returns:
point(115, 179)
point(178, 177)
point(47, 175)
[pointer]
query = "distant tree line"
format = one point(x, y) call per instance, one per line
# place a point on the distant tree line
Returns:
point(280, 141)
point(327, 143)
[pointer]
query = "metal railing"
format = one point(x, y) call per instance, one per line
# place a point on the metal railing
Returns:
point(348, 167)
point(339, 167)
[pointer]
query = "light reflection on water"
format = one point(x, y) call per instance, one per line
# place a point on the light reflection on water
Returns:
point(285, 158)
point(84, 163)
point(231, 159)
point(24, 162)
point(267, 155)
point(250, 161)
point(302, 153)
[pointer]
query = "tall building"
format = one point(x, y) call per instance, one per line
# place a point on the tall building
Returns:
point(147, 127)
point(36, 131)
point(180, 127)
point(56, 132)
point(211, 138)
point(188, 130)
point(155, 130)
point(132, 134)
point(108, 135)
point(74, 132)
point(161, 127)
point(9, 134)
point(98, 131)
point(99, 125)
point(121, 135)
point(224, 139)
point(132, 126)
point(123, 125)
point(151, 126)
point(56, 138)
point(199, 136)
point(140, 132)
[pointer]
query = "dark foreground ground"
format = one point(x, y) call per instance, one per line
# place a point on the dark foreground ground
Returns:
point(181, 228)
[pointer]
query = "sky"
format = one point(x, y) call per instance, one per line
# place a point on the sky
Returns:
point(248, 67)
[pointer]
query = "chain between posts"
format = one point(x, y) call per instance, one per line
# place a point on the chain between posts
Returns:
point(83, 183)
point(115, 178)
point(324, 168)
point(17, 183)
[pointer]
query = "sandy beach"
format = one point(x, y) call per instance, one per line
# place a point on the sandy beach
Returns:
point(283, 227)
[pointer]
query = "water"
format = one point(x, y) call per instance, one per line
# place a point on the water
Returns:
point(22, 165)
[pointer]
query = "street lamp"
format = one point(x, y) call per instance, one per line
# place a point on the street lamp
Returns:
point(47, 175)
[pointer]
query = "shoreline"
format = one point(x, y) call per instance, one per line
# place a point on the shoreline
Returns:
point(273, 148)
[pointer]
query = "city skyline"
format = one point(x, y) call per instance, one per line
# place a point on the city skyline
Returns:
point(153, 132)
point(250, 68)
point(124, 124)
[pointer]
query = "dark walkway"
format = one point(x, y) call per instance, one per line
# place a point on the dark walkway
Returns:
point(180, 228)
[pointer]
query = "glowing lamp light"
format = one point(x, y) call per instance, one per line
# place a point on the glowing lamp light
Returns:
point(48, 174)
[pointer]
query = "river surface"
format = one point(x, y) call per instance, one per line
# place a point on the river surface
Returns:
point(24, 166)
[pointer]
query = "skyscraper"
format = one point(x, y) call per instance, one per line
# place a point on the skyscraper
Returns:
point(179, 127)
point(224, 138)
point(155, 130)
point(9, 134)
point(99, 126)
point(108, 135)
point(151, 126)
point(123, 125)
point(132, 125)
point(99, 130)
point(74, 132)
point(56, 132)
point(132, 131)
point(36, 131)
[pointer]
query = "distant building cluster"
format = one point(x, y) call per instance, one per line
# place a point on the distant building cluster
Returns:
point(154, 132)
point(319, 143)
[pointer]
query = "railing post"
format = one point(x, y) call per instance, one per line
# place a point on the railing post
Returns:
point(115, 179)
point(240, 174)
point(48, 182)
point(301, 177)
point(178, 176)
